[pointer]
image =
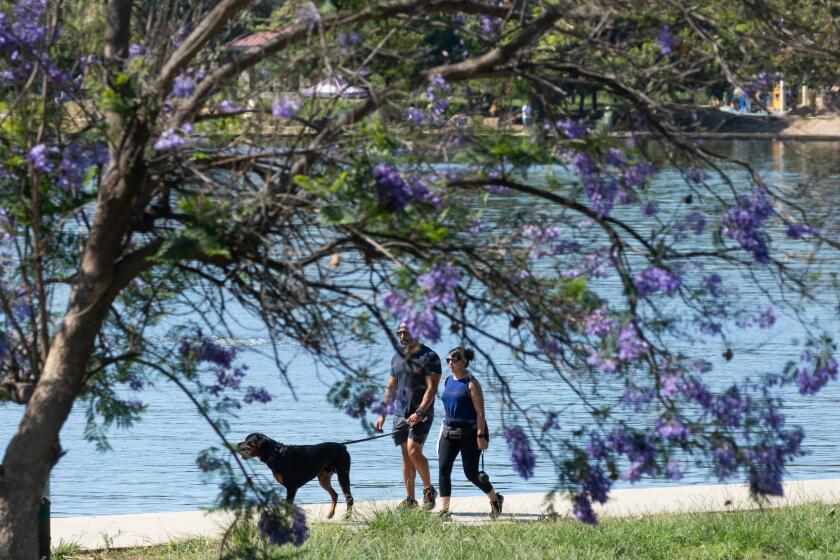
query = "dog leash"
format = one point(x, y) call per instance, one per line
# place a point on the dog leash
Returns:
point(370, 438)
point(377, 437)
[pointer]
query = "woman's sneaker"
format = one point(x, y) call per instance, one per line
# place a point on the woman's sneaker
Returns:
point(496, 506)
point(445, 515)
point(408, 503)
point(429, 497)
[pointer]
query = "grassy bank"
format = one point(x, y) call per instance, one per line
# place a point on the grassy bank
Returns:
point(811, 531)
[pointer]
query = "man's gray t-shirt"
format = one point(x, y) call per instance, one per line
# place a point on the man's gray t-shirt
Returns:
point(411, 373)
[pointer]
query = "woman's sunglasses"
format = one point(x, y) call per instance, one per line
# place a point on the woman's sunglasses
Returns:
point(451, 359)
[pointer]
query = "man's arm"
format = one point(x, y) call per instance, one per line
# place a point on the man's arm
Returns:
point(428, 398)
point(389, 392)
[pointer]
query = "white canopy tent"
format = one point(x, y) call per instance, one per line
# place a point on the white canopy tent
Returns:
point(333, 87)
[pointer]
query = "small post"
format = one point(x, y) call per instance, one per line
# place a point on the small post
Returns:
point(44, 522)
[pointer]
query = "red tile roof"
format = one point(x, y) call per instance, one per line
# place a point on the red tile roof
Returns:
point(257, 39)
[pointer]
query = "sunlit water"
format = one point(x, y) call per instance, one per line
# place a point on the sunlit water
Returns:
point(152, 466)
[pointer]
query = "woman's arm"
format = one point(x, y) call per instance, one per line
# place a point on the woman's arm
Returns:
point(477, 397)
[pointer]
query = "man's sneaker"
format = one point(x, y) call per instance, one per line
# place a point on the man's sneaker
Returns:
point(408, 503)
point(496, 506)
point(429, 497)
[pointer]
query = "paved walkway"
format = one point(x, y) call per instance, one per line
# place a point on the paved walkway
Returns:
point(118, 531)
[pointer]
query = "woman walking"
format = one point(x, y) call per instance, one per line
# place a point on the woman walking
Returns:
point(464, 430)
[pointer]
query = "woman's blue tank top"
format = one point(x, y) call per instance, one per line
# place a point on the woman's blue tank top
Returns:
point(457, 403)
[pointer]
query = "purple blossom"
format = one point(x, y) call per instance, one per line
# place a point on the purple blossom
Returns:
point(135, 51)
point(796, 231)
point(414, 115)
point(696, 221)
point(630, 346)
point(582, 509)
point(601, 194)
point(134, 405)
point(396, 192)
point(712, 284)
point(227, 106)
point(665, 41)
point(597, 448)
point(672, 428)
point(256, 394)
point(523, 458)
point(743, 223)
point(637, 174)
point(654, 279)
point(809, 383)
point(279, 531)
point(170, 140)
point(651, 208)
point(615, 157)
point(135, 384)
point(39, 158)
point(75, 162)
point(598, 323)
point(673, 470)
point(573, 129)
point(439, 284)
point(357, 407)
point(183, 86)
point(725, 461)
point(423, 324)
point(637, 398)
point(490, 25)
point(285, 109)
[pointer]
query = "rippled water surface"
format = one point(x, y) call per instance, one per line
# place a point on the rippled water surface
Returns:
point(152, 466)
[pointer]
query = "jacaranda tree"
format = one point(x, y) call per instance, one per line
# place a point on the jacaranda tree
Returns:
point(148, 165)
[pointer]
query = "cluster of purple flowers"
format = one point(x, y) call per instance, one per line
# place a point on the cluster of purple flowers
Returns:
point(278, 530)
point(439, 284)
point(171, 139)
point(743, 223)
point(39, 157)
point(640, 449)
point(490, 25)
point(665, 41)
point(76, 160)
point(435, 93)
point(810, 382)
point(421, 323)
point(285, 109)
point(438, 288)
point(358, 407)
point(524, 460)
point(22, 36)
point(397, 192)
point(654, 279)
point(542, 237)
point(183, 86)
point(572, 129)
point(256, 394)
point(594, 487)
point(797, 231)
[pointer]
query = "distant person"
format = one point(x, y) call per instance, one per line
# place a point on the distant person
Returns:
point(415, 374)
point(494, 109)
point(526, 114)
point(464, 431)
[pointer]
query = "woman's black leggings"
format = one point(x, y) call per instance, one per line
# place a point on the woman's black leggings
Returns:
point(449, 449)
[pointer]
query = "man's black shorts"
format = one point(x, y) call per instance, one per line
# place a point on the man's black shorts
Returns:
point(419, 432)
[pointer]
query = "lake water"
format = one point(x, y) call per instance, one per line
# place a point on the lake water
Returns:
point(152, 466)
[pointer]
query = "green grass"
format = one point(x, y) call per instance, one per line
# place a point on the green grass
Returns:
point(811, 531)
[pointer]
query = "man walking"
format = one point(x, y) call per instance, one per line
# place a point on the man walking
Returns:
point(415, 374)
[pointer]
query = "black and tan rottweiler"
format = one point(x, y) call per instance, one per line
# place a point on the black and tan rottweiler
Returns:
point(295, 465)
